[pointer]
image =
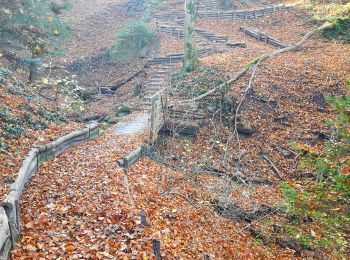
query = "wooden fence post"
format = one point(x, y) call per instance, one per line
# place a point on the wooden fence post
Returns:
point(156, 249)
point(153, 118)
point(166, 105)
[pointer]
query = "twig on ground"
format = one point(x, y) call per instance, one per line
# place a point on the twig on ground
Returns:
point(275, 169)
point(180, 195)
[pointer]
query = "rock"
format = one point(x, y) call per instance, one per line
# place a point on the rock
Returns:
point(122, 110)
point(211, 109)
point(107, 118)
point(321, 102)
point(242, 129)
point(113, 120)
point(287, 154)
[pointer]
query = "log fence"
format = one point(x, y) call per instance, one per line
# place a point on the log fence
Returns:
point(178, 32)
point(242, 14)
point(178, 57)
point(159, 112)
point(9, 208)
point(261, 36)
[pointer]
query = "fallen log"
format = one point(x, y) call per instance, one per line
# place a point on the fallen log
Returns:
point(234, 212)
point(180, 129)
point(131, 158)
point(236, 44)
point(111, 88)
point(273, 166)
point(260, 59)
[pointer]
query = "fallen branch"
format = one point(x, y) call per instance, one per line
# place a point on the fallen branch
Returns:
point(260, 59)
point(42, 95)
point(275, 169)
point(120, 83)
point(234, 212)
point(180, 195)
point(239, 107)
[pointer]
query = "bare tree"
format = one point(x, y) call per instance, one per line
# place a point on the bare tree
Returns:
point(190, 59)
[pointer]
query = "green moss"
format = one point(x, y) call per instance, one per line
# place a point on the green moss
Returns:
point(340, 31)
point(250, 64)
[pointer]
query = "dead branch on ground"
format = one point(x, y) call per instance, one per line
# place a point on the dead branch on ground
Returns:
point(260, 59)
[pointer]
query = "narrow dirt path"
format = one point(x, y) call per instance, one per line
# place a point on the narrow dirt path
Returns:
point(76, 199)
point(81, 205)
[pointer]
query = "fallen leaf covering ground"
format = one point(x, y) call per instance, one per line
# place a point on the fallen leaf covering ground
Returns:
point(86, 211)
point(80, 208)
point(26, 121)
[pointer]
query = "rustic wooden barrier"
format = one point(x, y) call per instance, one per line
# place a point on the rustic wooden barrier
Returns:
point(261, 36)
point(211, 36)
point(159, 112)
point(171, 30)
point(242, 14)
point(177, 31)
point(9, 210)
point(131, 158)
point(236, 44)
point(178, 57)
point(208, 5)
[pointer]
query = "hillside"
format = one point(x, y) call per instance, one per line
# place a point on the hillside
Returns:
point(254, 166)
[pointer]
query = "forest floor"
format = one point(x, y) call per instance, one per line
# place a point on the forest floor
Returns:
point(82, 205)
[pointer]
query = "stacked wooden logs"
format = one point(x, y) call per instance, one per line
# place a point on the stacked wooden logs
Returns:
point(242, 14)
point(261, 36)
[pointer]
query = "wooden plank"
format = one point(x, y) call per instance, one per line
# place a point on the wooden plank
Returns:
point(6, 241)
point(131, 158)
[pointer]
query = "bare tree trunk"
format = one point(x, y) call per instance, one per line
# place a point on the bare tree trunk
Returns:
point(190, 59)
point(32, 69)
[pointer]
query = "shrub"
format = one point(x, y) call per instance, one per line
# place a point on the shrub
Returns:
point(227, 4)
point(130, 41)
point(320, 207)
point(341, 31)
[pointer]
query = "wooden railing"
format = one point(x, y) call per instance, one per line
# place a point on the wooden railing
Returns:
point(261, 36)
point(242, 14)
point(159, 112)
point(9, 211)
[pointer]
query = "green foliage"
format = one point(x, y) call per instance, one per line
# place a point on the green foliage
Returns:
point(227, 4)
point(131, 40)
point(75, 96)
point(33, 26)
point(122, 110)
point(338, 13)
point(86, 94)
point(341, 31)
point(320, 207)
point(136, 89)
point(20, 112)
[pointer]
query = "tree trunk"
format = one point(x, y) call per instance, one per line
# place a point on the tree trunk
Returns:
point(190, 59)
point(33, 69)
